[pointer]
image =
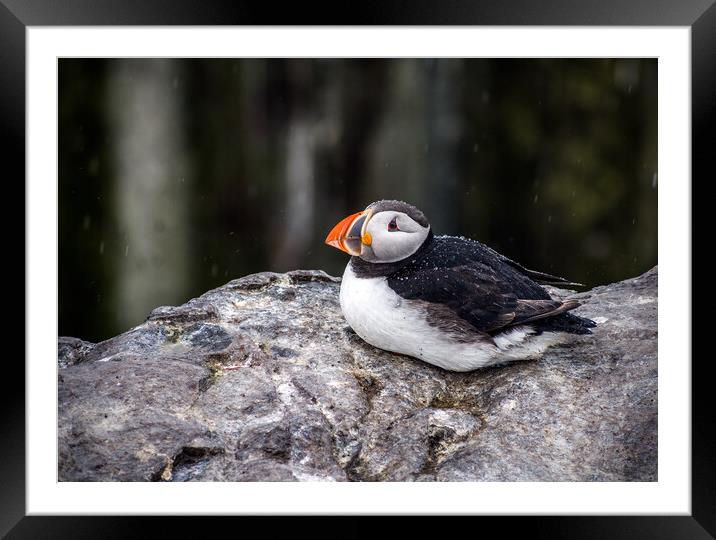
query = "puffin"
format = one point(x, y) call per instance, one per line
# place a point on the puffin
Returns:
point(449, 301)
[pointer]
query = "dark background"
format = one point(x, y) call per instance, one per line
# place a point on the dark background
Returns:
point(176, 176)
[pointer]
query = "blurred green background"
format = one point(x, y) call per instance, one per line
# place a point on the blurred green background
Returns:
point(178, 175)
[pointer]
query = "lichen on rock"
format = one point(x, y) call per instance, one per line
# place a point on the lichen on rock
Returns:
point(262, 380)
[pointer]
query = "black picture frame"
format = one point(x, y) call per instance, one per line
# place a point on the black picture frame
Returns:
point(699, 15)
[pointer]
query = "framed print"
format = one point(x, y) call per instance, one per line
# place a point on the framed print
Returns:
point(183, 180)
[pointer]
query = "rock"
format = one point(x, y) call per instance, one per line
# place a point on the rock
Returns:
point(262, 379)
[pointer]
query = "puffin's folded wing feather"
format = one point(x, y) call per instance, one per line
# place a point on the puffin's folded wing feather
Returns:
point(476, 294)
point(472, 251)
point(472, 292)
point(533, 310)
point(539, 277)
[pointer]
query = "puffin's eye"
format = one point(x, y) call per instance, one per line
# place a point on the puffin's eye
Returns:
point(393, 225)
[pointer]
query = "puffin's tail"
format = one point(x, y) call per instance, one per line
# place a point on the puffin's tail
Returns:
point(566, 322)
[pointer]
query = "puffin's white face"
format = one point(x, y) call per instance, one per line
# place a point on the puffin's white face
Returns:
point(379, 235)
point(394, 236)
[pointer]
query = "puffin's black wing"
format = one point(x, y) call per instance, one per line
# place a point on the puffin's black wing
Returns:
point(477, 294)
point(539, 277)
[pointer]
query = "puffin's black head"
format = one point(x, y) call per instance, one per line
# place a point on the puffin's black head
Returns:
point(386, 231)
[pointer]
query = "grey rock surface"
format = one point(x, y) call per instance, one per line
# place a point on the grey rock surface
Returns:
point(262, 379)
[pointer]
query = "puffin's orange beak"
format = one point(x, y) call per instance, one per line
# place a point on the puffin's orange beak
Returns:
point(348, 234)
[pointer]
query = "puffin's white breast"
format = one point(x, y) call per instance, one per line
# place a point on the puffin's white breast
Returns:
point(385, 320)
